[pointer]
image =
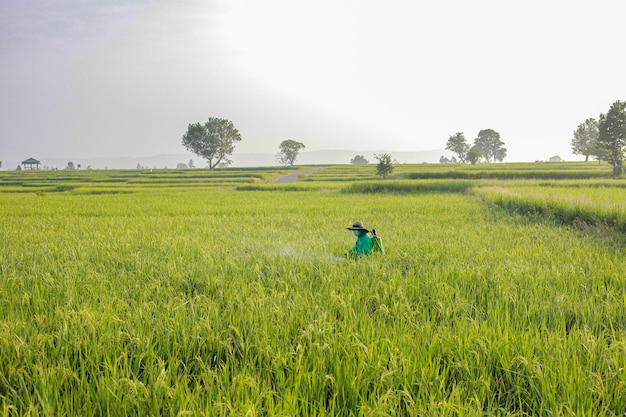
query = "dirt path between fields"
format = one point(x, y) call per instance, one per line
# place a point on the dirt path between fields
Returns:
point(294, 176)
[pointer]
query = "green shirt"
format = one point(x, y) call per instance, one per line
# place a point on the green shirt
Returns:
point(363, 245)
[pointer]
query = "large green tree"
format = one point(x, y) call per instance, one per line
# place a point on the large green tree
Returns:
point(458, 144)
point(288, 151)
point(585, 137)
point(490, 145)
point(213, 141)
point(612, 135)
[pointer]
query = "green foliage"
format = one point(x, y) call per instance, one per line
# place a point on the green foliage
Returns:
point(359, 159)
point(474, 154)
point(612, 136)
point(585, 138)
point(458, 144)
point(490, 146)
point(384, 166)
point(288, 151)
point(214, 141)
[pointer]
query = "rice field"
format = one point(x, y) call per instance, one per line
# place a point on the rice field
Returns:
point(600, 205)
point(155, 296)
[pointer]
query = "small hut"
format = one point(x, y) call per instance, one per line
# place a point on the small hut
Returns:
point(30, 162)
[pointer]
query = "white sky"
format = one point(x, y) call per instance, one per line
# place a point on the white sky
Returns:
point(81, 78)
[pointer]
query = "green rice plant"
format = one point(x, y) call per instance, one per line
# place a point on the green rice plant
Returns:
point(166, 302)
point(586, 184)
point(508, 171)
point(404, 186)
point(588, 206)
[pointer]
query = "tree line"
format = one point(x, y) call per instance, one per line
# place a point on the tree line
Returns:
point(603, 139)
point(215, 141)
point(487, 146)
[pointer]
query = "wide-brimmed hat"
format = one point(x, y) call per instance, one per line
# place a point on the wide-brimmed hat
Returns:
point(357, 226)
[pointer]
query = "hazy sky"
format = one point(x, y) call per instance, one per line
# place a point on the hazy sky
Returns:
point(80, 78)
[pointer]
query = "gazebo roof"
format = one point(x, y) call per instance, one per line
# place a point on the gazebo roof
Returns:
point(31, 161)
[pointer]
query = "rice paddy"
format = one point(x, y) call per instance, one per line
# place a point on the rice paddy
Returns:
point(219, 293)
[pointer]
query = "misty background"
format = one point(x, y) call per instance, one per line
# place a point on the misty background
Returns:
point(121, 80)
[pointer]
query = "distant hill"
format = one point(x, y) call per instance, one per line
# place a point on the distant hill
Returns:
point(239, 159)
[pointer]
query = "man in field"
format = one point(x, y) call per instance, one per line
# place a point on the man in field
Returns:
point(364, 242)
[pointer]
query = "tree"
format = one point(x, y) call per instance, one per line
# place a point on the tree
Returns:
point(214, 140)
point(585, 137)
point(490, 145)
point(70, 166)
point(288, 151)
point(181, 165)
point(359, 159)
point(457, 144)
point(612, 135)
point(191, 165)
point(474, 155)
point(385, 165)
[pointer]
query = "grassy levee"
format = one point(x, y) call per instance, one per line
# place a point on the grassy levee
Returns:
point(410, 186)
point(596, 205)
point(510, 171)
point(204, 302)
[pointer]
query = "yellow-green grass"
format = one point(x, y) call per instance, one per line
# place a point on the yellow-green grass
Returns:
point(239, 303)
point(595, 205)
point(510, 171)
point(506, 171)
point(55, 181)
point(139, 180)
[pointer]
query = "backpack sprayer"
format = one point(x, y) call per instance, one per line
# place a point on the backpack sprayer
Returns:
point(377, 241)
